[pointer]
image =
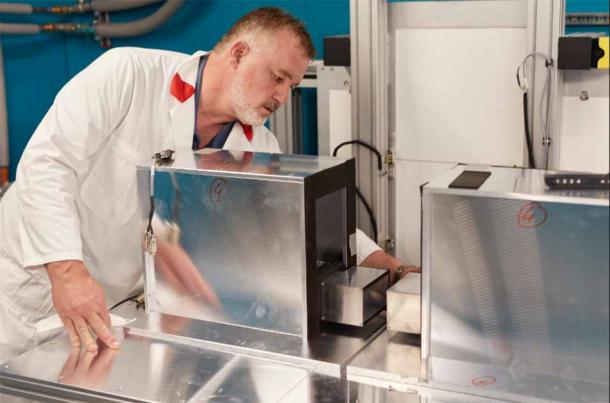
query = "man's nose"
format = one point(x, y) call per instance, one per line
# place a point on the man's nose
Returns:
point(282, 94)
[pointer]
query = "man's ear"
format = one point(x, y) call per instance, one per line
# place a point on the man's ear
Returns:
point(237, 51)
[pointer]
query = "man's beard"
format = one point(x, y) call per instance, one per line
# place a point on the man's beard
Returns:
point(246, 114)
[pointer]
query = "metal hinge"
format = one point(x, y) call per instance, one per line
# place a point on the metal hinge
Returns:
point(390, 244)
point(388, 162)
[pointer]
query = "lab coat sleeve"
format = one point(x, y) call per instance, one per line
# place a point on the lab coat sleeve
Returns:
point(365, 246)
point(55, 160)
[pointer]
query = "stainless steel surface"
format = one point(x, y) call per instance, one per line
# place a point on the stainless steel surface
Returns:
point(388, 370)
point(354, 296)
point(404, 305)
point(255, 227)
point(154, 370)
point(197, 373)
point(240, 164)
point(363, 392)
point(515, 289)
point(520, 184)
point(391, 360)
point(150, 370)
point(327, 354)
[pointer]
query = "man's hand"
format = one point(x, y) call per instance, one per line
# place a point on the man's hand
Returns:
point(79, 302)
point(380, 259)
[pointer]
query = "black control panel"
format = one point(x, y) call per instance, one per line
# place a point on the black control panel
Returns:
point(577, 181)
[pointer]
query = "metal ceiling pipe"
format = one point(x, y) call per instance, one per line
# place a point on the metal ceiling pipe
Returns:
point(16, 8)
point(102, 6)
point(141, 26)
point(106, 6)
point(20, 29)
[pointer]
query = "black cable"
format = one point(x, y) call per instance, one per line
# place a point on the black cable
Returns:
point(528, 140)
point(368, 208)
point(370, 211)
point(518, 79)
point(132, 298)
point(365, 145)
point(523, 85)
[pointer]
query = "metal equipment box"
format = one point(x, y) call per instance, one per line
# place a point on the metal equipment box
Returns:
point(260, 230)
point(515, 287)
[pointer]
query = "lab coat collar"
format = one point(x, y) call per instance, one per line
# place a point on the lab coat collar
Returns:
point(238, 139)
point(181, 94)
point(182, 110)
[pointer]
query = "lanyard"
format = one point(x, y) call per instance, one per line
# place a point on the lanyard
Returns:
point(150, 240)
point(202, 62)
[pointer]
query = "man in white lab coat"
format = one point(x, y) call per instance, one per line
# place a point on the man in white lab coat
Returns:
point(67, 239)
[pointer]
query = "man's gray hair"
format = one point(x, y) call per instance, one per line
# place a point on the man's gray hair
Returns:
point(269, 20)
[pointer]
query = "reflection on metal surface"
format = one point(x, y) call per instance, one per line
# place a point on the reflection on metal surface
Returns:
point(517, 293)
point(241, 237)
point(326, 354)
point(225, 163)
point(154, 370)
point(391, 358)
point(354, 296)
point(404, 305)
point(413, 394)
point(151, 370)
point(245, 238)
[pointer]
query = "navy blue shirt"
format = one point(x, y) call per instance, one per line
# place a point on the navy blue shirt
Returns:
point(219, 140)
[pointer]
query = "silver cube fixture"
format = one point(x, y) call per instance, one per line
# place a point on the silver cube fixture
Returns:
point(404, 305)
point(354, 296)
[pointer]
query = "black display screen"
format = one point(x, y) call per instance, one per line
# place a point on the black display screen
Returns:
point(470, 179)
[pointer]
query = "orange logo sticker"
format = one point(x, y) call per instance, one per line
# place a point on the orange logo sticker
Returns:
point(218, 189)
point(482, 381)
point(531, 215)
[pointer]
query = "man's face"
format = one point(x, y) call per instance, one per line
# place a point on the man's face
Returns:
point(264, 77)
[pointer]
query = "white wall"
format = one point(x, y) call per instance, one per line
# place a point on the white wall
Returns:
point(456, 95)
point(453, 97)
point(581, 142)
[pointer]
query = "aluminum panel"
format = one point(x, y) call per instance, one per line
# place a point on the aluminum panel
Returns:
point(152, 370)
point(246, 239)
point(327, 354)
point(517, 293)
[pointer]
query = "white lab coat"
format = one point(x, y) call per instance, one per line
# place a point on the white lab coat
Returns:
point(75, 196)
